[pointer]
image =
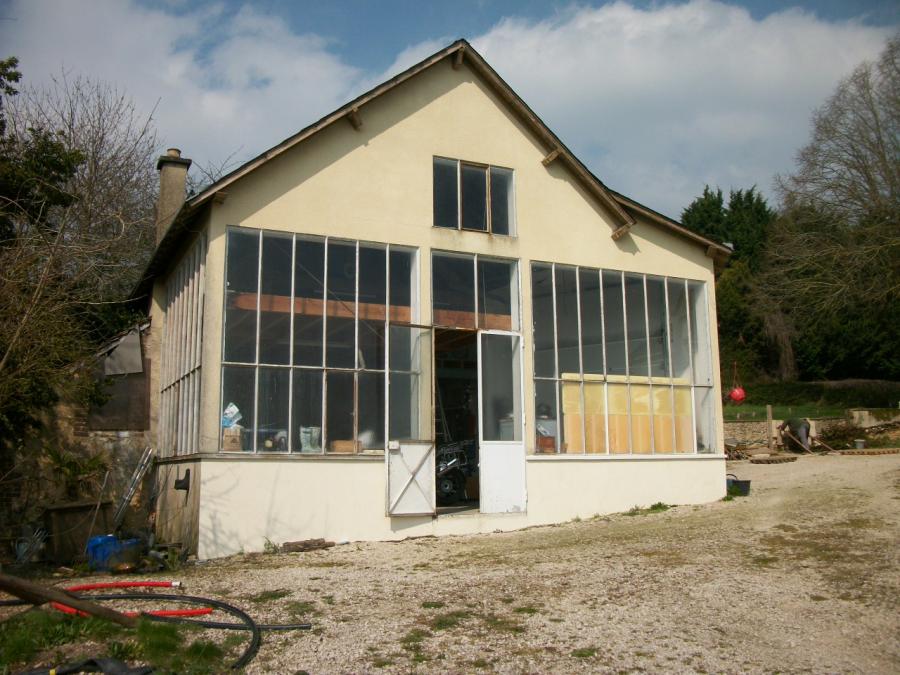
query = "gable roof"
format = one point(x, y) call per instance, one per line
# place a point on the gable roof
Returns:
point(620, 207)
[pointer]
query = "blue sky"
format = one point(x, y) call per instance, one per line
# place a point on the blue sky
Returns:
point(657, 98)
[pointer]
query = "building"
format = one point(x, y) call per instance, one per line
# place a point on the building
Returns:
point(424, 282)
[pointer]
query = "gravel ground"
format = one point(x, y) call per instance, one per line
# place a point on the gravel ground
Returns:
point(800, 576)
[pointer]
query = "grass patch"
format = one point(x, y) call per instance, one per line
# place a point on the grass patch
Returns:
point(763, 560)
point(328, 599)
point(300, 609)
point(432, 604)
point(448, 620)
point(658, 507)
point(270, 596)
point(165, 646)
point(526, 609)
point(414, 637)
point(502, 624)
point(381, 662)
point(584, 652)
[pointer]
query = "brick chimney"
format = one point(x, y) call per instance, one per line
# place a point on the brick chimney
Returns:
point(172, 169)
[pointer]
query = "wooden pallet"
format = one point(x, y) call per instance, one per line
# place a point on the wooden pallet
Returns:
point(773, 460)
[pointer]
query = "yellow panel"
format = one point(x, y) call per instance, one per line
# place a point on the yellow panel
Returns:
point(595, 419)
point(684, 428)
point(573, 420)
point(618, 418)
point(662, 420)
point(640, 419)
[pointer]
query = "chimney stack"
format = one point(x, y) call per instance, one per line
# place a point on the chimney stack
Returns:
point(172, 179)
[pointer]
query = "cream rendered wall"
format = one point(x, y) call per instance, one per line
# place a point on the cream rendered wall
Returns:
point(246, 501)
point(375, 184)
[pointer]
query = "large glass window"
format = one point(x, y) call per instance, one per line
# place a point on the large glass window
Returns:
point(475, 197)
point(621, 363)
point(501, 388)
point(460, 300)
point(305, 357)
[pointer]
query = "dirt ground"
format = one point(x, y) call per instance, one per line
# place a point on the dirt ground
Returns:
point(802, 575)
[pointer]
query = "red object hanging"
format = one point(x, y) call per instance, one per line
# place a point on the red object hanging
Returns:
point(737, 395)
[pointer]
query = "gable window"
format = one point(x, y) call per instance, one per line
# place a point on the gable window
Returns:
point(477, 197)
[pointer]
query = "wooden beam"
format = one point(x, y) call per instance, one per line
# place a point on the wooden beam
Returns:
point(458, 58)
point(220, 197)
point(620, 232)
point(37, 594)
point(551, 157)
point(354, 118)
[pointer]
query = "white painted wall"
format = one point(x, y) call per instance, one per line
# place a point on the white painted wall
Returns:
point(245, 501)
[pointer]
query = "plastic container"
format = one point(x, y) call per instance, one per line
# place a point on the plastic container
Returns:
point(106, 551)
point(736, 487)
point(859, 443)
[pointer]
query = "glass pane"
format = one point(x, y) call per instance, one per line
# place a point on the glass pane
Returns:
point(272, 418)
point(340, 338)
point(403, 286)
point(275, 299)
point(572, 439)
point(637, 325)
point(684, 420)
point(614, 324)
point(618, 418)
point(372, 299)
point(699, 333)
point(409, 415)
point(500, 388)
point(309, 296)
point(706, 435)
point(657, 327)
point(591, 322)
point(339, 409)
point(238, 390)
point(542, 321)
point(496, 290)
point(678, 331)
point(567, 321)
point(474, 197)
point(545, 415)
point(307, 413)
point(502, 207)
point(595, 417)
point(453, 290)
point(241, 283)
point(371, 411)
point(445, 194)
point(640, 418)
point(663, 429)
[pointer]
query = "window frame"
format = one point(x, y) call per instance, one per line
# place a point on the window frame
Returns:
point(292, 366)
point(632, 383)
point(489, 226)
point(515, 290)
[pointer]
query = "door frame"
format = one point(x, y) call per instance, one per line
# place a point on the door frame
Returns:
point(518, 445)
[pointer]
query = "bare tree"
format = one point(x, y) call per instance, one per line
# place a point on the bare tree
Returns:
point(77, 215)
point(838, 240)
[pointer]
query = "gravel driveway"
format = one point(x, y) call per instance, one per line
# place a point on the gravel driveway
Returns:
point(801, 575)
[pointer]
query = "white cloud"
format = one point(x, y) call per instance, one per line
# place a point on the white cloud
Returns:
point(660, 101)
point(655, 101)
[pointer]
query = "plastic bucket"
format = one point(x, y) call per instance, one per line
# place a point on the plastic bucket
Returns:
point(736, 487)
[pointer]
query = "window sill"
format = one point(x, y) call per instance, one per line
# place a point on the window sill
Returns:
point(274, 456)
point(564, 457)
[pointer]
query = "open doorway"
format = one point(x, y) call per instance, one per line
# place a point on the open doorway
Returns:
point(456, 420)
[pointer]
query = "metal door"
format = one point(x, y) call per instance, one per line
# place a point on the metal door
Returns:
point(501, 423)
point(409, 460)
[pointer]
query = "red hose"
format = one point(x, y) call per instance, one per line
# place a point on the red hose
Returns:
point(155, 612)
point(132, 584)
point(124, 584)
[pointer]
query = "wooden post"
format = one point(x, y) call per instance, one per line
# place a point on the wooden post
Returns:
point(769, 436)
point(38, 595)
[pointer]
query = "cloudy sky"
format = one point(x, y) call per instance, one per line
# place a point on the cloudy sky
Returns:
point(657, 98)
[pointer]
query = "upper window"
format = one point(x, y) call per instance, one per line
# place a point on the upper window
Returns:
point(474, 197)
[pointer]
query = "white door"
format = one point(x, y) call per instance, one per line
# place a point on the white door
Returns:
point(409, 460)
point(501, 425)
point(410, 467)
